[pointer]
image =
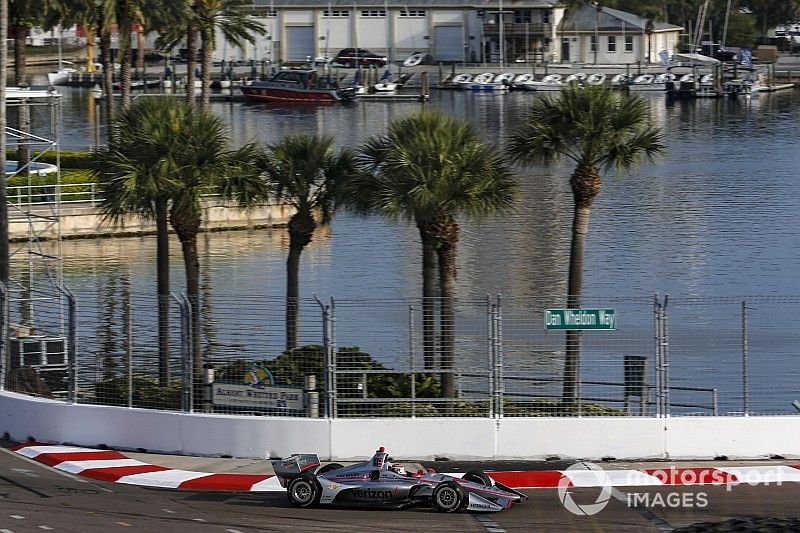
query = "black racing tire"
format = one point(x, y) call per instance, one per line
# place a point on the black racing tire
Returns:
point(328, 467)
point(304, 491)
point(479, 477)
point(449, 497)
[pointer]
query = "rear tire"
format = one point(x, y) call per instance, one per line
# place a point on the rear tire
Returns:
point(328, 468)
point(304, 491)
point(449, 497)
point(479, 477)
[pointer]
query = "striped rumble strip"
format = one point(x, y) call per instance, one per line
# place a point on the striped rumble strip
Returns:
point(114, 467)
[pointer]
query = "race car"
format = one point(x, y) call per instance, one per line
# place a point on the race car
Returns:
point(378, 483)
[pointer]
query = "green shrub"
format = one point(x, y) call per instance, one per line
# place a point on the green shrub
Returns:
point(146, 393)
point(70, 159)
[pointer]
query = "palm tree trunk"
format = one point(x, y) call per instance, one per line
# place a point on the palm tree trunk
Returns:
point(187, 234)
point(162, 268)
point(428, 298)
point(140, 43)
point(108, 79)
point(292, 295)
point(90, 48)
point(580, 229)
point(208, 51)
point(301, 230)
point(125, 55)
point(446, 254)
point(191, 62)
point(20, 78)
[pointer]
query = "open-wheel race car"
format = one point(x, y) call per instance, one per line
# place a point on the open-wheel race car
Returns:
point(380, 484)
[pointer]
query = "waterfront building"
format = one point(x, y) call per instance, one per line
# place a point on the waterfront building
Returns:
point(605, 36)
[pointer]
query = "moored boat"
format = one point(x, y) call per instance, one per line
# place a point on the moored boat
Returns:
point(551, 82)
point(297, 86)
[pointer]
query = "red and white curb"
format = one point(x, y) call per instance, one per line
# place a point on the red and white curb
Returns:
point(114, 467)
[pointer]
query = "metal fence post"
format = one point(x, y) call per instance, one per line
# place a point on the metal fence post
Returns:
point(490, 353)
point(187, 396)
point(72, 333)
point(330, 383)
point(498, 388)
point(333, 352)
point(411, 339)
point(3, 335)
point(665, 363)
point(745, 361)
point(129, 349)
point(657, 352)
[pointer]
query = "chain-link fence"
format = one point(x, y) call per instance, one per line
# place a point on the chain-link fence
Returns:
point(252, 355)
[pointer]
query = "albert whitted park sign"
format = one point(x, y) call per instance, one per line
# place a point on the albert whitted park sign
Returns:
point(559, 319)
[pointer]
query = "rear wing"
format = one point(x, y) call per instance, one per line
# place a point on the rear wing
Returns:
point(294, 465)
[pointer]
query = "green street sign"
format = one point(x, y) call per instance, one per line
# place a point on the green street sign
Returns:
point(561, 319)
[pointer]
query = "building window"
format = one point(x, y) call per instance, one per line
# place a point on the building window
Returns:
point(593, 44)
point(546, 43)
point(270, 13)
point(629, 43)
point(373, 13)
point(522, 16)
point(335, 13)
point(612, 44)
point(546, 16)
point(409, 13)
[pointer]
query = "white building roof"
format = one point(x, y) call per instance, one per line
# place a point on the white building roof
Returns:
point(406, 4)
point(601, 18)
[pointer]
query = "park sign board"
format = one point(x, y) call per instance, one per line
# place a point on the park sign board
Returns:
point(572, 319)
point(249, 397)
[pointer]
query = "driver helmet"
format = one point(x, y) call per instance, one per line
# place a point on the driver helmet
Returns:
point(399, 469)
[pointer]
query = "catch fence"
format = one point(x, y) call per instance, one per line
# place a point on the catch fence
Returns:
point(232, 355)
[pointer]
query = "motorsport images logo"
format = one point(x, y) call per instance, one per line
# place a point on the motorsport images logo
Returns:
point(598, 477)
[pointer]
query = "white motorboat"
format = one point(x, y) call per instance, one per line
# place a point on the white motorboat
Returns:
point(551, 82)
point(521, 79)
point(484, 82)
point(385, 84)
point(61, 76)
point(619, 80)
point(598, 78)
point(645, 82)
point(577, 77)
point(458, 79)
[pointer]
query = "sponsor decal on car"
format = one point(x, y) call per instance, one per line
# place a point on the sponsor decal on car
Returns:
point(374, 494)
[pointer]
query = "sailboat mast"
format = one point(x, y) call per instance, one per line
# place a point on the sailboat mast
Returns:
point(725, 26)
point(60, 55)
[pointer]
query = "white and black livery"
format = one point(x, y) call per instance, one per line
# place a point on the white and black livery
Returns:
point(380, 484)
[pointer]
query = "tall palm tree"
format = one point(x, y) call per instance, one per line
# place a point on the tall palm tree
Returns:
point(164, 156)
point(235, 20)
point(304, 171)
point(598, 130)
point(136, 173)
point(206, 164)
point(432, 169)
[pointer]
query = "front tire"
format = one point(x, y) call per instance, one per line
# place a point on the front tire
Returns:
point(449, 497)
point(479, 477)
point(304, 491)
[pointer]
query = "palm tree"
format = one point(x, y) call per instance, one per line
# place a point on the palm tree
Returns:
point(304, 171)
point(235, 20)
point(431, 169)
point(597, 129)
point(164, 156)
point(135, 174)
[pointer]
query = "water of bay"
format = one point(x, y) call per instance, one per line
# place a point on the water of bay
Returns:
point(715, 217)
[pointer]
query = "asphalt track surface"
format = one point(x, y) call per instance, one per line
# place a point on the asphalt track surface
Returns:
point(35, 498)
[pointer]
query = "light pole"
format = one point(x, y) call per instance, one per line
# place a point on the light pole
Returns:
point(4, 253)
point(502, 37)
point(648, 29)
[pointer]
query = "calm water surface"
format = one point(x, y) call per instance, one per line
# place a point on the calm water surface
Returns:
point(716, 216)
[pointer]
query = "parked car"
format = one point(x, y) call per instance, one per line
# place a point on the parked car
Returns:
point(350, 57)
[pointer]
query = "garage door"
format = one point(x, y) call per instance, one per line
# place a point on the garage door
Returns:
point(448, 44)
point(299, 43)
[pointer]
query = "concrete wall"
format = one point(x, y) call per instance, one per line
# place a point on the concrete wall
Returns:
point(88, 221)
point(23, 417)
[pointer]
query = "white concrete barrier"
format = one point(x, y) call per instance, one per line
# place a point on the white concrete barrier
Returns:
point(23, 417)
